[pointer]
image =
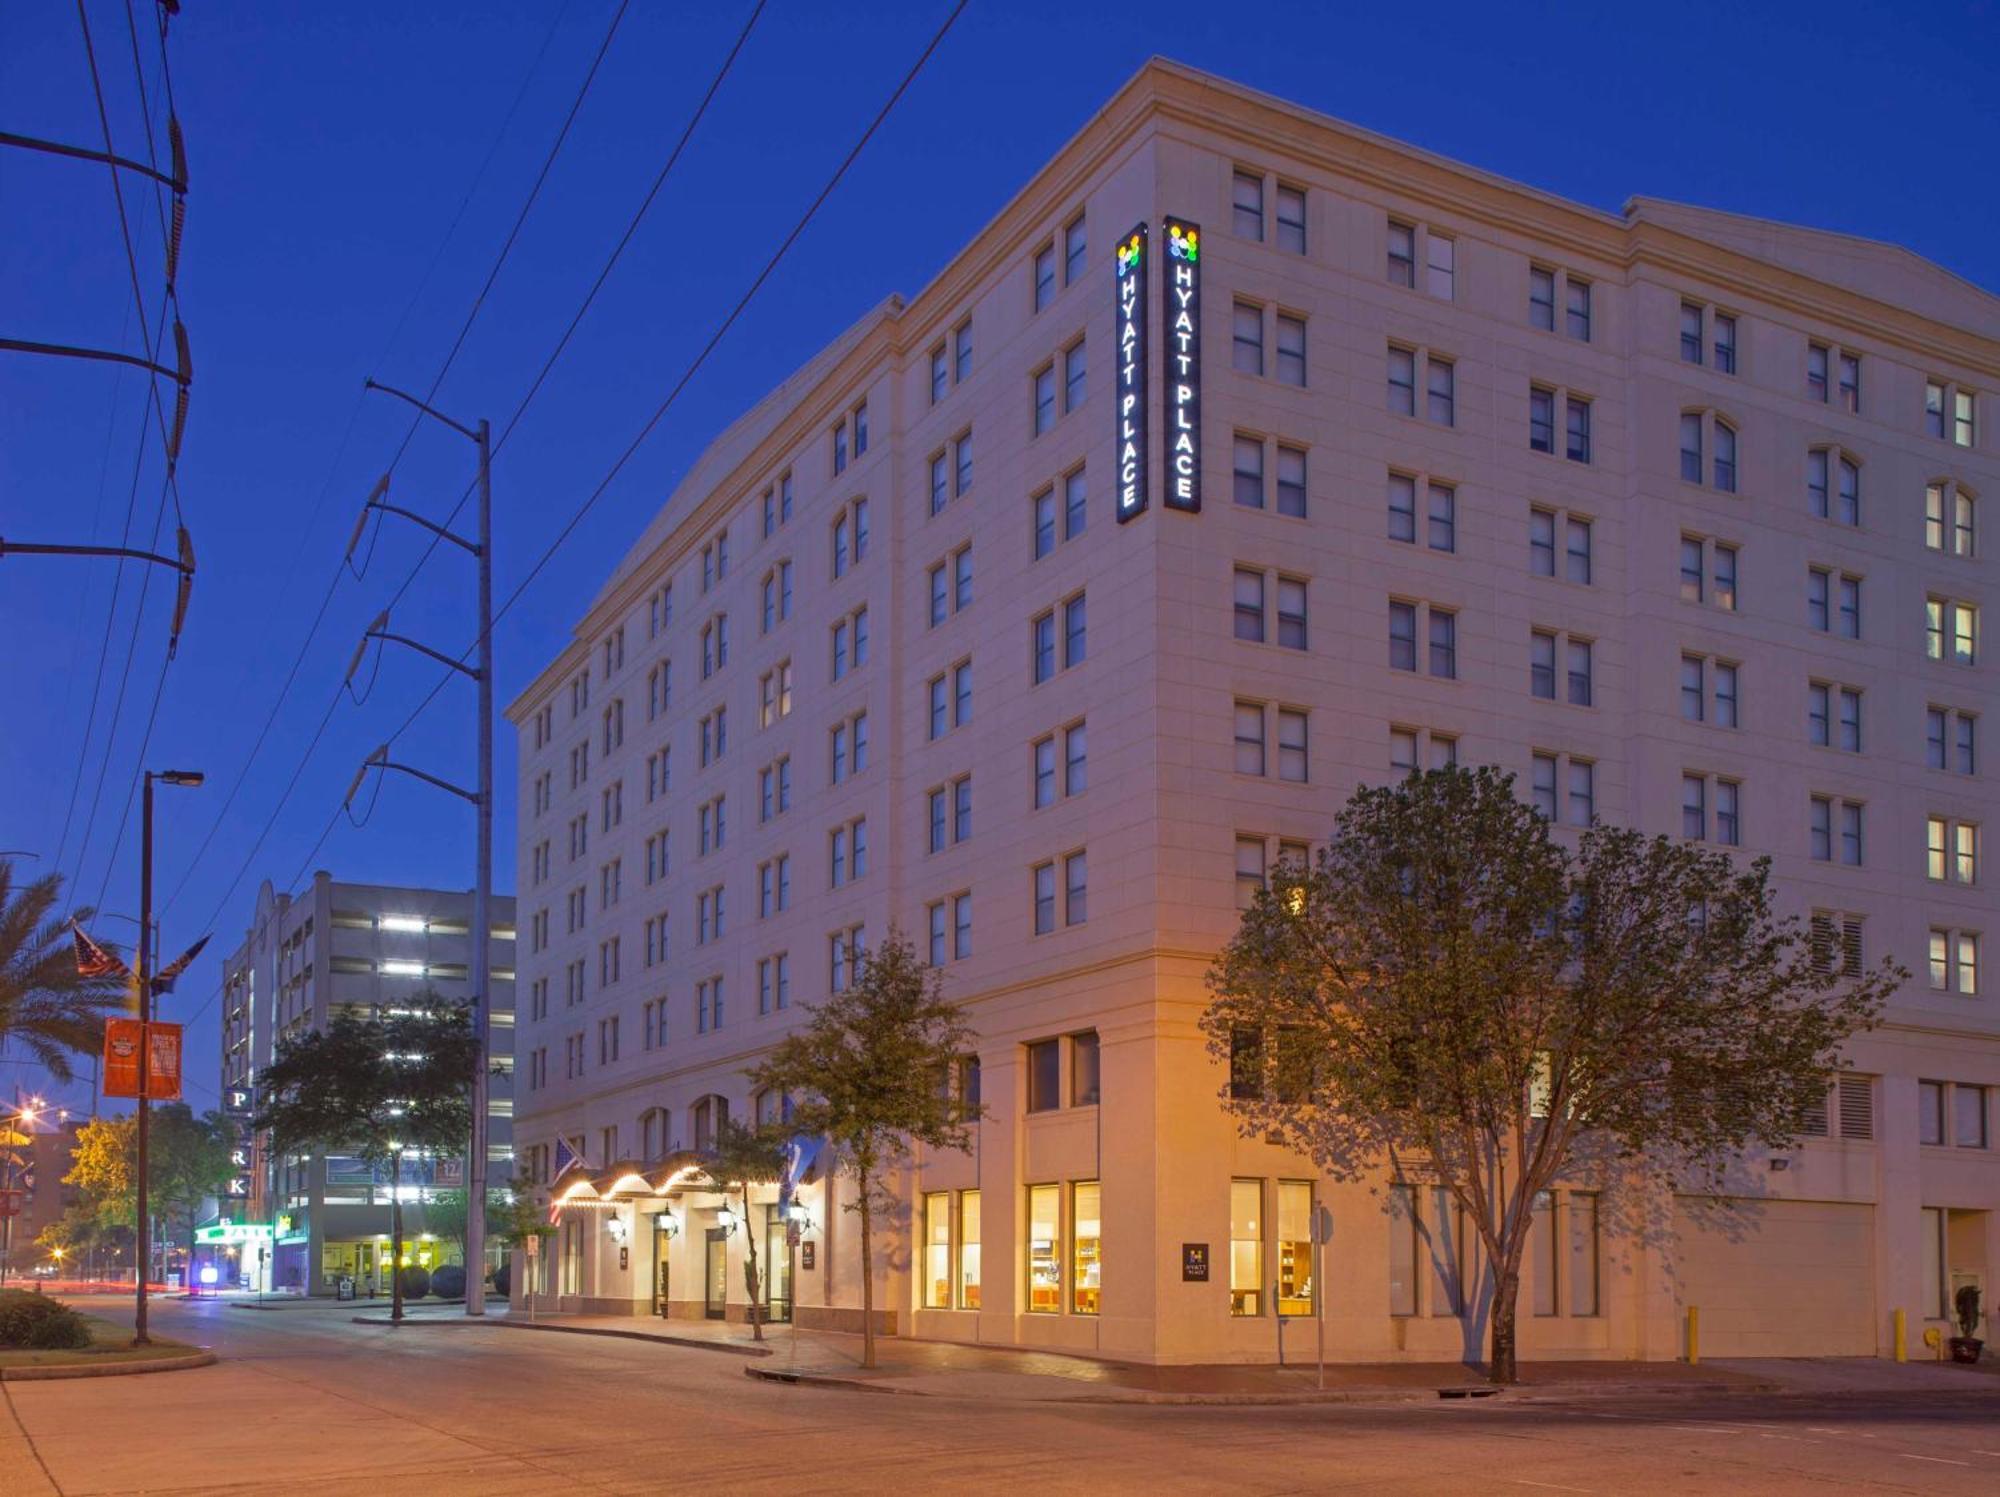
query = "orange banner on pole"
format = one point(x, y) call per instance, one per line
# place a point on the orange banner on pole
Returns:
point(122, 1041)
point(125, 1040)
point(163, 1062)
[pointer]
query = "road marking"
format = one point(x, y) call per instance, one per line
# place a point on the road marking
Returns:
point(1937, 1458)
point(1522, 1481)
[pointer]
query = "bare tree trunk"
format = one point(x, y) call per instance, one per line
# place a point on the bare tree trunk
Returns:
point(396, 1239)
point(867, 1272)
point(750, 1274)
point(1502, 1367)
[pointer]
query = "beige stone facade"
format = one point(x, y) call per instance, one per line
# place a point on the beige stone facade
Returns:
point(1650, 621)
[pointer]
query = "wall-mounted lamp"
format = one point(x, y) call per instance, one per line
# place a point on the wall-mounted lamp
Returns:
point(665, 1224)
point(726, 1219)
point(797, 1215)
point(615, 1225)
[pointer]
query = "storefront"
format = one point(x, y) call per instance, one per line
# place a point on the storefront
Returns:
point(666, 1240)
point(234, 1256)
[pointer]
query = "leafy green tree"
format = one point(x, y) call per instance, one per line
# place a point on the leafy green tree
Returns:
point(1452, 987)
point(187, 1159)
point(864, 1073)
point(743, 1156)
point(379, 1087)
point(45, 1007)
point(513, 1215)
point(445, 1213)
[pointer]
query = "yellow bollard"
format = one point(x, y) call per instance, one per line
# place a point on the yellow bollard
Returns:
point(1902, 1337)
point(1694, 1335)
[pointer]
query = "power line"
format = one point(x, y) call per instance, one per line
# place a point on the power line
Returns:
point(312, 630)
point(631, 228)
point(701, 358)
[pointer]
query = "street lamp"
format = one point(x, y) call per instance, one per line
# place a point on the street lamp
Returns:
point(142, 1254)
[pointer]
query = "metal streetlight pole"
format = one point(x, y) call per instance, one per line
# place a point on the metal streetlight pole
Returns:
point(143, 973)
point(482, 800)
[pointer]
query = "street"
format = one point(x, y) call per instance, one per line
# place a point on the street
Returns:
point(307, 1402)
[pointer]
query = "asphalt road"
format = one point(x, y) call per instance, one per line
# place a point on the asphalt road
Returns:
point(307, 1403)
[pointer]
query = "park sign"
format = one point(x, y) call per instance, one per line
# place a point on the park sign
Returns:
point(223, 1232)
point(1129, 412)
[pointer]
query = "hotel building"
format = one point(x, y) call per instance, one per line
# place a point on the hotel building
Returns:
point(1675, 514)
point(348, 948)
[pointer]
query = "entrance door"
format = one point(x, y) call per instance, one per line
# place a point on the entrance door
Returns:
point(660, 1299)
point(718, 1272)
point(777, 1266)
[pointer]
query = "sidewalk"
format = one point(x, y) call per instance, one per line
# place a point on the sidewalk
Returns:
point(829, 1359)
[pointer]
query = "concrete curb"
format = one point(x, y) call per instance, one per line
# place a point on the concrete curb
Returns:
point(1143, 1397)
point(698, 1343)
point(107, 1369)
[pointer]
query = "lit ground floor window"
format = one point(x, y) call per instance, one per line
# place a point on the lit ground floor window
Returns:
point(1087, 1249)
point(1044, 1250)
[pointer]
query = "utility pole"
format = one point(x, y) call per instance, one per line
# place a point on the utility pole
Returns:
point(482, 801)
point(143, 973)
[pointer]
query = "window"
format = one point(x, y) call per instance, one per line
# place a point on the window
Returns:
point(714, 645)
point(1403, 1249)
point(1701, 676)
point(846, 954)
point(1544, 525)
point(1044, 1070)
point(1074, 772)
point(1708, 572)
point(1542, 298)
point(847, 744)
point(1559, 781)
point(1249, 870)
point(961, 352)
point(937, 1250)
point(1835, 825)
point(1819, 361)
point(1084, 1083)
point(1704, 431)
point(1699, 793)
point(659, 689)
point(1545, 648)
point(715, 734)
point(775, 694)
point(1951, 740)
point(950, 929)
point(777, 595)
point(1440, 388)
point(1954, 961)
point(940, 374)
point(1247, 337)
point(707, 1016)
point(1583, 1256)
point(1044, 398)
point(1044, 1250)
point(1412, 749)
point(1292, 350)
point(1440, 265)
point(774, 886)
point(1402, 254)
point(1951, 630)
point(1949, 515)
point(1952, 850)
point(1547, 288)
point(1045, 276)
point(1833, 602)
point(1075, 376)
point(1246, 1247)
point(1833, 486)
point(1247, 202)
point(660, 605)
point(1074, 245)
point(1440, 512)
point(950, 699)
point(1833, 716)
point(1404, 620)
point(1291, 219)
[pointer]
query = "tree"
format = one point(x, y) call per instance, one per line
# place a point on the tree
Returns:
point(445, 1213)
point(380, 1087)
point(1452, 983)
point(45, 1007)
point(742, 1156)
point(864, 1072)
point(188, 1159)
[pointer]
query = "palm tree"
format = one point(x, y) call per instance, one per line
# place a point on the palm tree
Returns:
point(45, 1007)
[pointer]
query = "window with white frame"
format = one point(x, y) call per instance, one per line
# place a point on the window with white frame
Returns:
point(1954, 961)
point(950, 699)
point(1951, 630)
point(1704, 432)
point(1833, 602)
point(1269, 608)
point(1255, 466)
point(1439, 522)
point(1412, 750)
point(1833, 716)
point(1711, 809)
point(1559, 667)
point(1060, 764)
point(1708, 569)
point(1708, 690)
point(1951, 740)
point(1834, 830)
point(1951, 850)
point(1410, 624)
point(1950, 515)
point(1833, 485)
point(847, 748)
point(1949, 413)
point(1545, 404)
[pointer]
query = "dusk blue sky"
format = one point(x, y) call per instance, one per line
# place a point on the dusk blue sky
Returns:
point(331, 146)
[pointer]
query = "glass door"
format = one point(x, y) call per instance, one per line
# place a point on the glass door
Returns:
point(777, 1266)
point(661, 1242)
point(718, 1273)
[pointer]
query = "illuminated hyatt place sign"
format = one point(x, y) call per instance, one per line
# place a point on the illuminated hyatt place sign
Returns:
point(1129, 412)
point(1180, 317)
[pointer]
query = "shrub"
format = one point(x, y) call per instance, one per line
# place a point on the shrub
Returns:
point(503, 1276)
point(1966, 1303)
point(416, 1281)
point(36, 1323)
point(447, 1281)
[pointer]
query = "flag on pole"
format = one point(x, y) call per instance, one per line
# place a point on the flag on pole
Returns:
point(800, 1155)
point(92, 960)
point(567, 1158)
point(164, 982)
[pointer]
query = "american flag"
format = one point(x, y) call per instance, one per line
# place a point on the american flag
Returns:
point(92, 960)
